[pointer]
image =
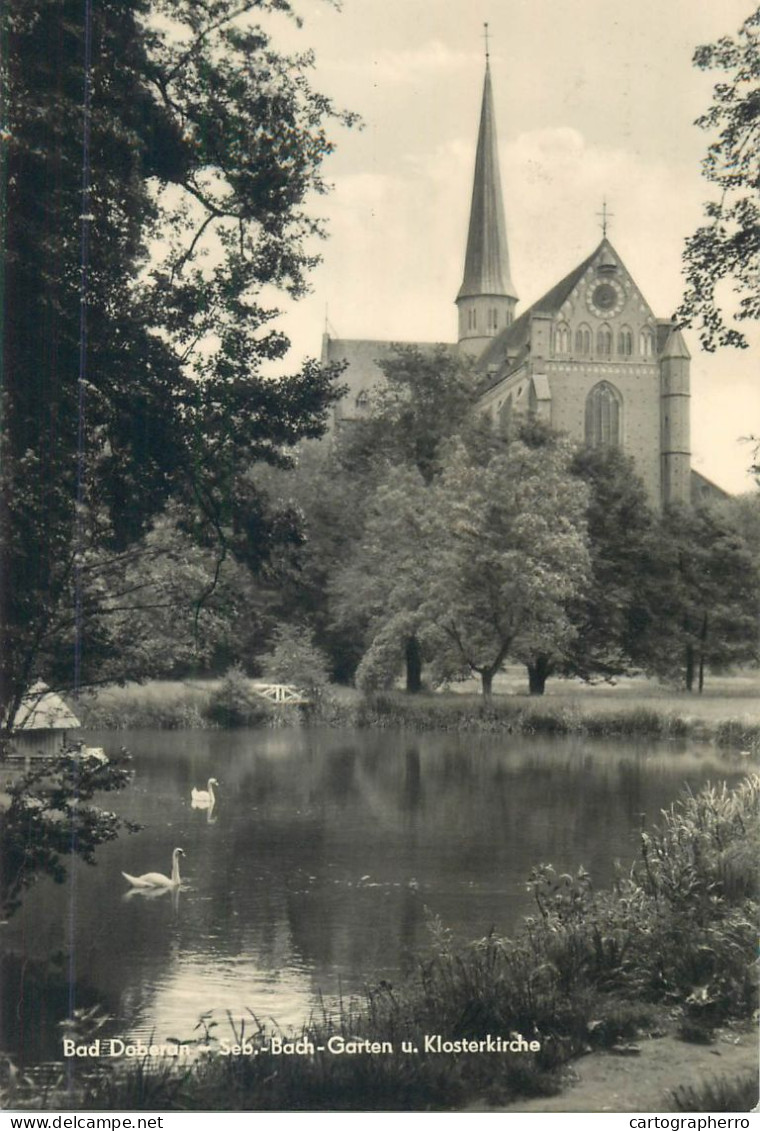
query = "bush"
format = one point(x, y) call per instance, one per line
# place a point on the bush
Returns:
point(234, 704)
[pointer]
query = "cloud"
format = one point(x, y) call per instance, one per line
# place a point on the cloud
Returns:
point(411, 65)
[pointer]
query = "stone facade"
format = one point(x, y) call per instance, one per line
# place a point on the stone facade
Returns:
point(593, 361)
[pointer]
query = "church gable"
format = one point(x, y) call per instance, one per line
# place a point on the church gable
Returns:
point(596, 313)
point(603, 316)
point(585, 357)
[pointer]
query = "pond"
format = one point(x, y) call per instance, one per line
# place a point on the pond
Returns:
point(320, 869)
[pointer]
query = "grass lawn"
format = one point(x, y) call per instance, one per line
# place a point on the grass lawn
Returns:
point(734, 696)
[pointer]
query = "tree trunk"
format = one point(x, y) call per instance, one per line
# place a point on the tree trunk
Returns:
point(538, 673)
point(702, 642)
point(413, 666)
point(486, 679)
point(689, 667)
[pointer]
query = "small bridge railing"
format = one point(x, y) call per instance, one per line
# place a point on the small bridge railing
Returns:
point(280, 693)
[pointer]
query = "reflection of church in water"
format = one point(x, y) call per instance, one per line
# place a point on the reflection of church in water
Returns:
point(589, 357)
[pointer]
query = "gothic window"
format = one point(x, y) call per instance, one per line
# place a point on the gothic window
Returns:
point(583, 341)
point(604, 416)
point(646, 342)
point(493, 318)
point(603, 341)
point(625, 341)
point(472, 319)
point(362, 399)
point(562, 339)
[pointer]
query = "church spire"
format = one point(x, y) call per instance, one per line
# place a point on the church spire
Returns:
point(487, 296)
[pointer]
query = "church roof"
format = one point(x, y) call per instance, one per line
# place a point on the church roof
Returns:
point(513, 340)
point(486, 266)
point(363, 354)
point(703, 490)
point(673, 344)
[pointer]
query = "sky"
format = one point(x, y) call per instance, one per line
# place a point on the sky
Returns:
point(594, 100)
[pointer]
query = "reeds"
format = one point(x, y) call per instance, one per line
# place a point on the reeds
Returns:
point(721, 1094)
point(512, 714)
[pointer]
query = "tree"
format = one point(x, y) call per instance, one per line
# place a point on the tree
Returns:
point(294, 658)
point(330, 505)
point(425, 397)
point(512, 556)
point(380, 587)
point(742, 512)
point(703, 604)
point(622, 531)
point(144, 221)
point(50, 817)
point(727, 248)
point(485, 560)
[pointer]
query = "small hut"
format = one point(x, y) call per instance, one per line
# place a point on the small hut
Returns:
point(43, 724)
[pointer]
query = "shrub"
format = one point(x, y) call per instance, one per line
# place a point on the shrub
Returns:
point(234, 704)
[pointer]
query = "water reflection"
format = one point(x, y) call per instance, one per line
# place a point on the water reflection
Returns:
point(316, 868)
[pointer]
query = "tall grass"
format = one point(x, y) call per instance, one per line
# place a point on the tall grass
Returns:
point(163, 706)
point(229, 702)
point(512, 714)
point(721, 1094)
point(588, 969)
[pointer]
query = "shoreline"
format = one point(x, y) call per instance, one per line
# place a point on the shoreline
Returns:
point(729, 721)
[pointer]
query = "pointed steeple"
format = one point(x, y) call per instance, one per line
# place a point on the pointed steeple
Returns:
point(487, 296)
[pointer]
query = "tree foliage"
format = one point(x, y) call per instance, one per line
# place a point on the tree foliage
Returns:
point(481, 564)
point(379, 591)
point(726, 249)
point(50, 817)
point(426, 396)
point(294, 658)
point(703, 606)
point(153, 202)
point(622, 531)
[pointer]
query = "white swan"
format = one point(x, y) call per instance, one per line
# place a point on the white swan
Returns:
point(200, 798)
point(157, 879)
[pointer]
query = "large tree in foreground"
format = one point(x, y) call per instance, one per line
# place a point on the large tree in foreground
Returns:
point(157, 164)
point(724, 254)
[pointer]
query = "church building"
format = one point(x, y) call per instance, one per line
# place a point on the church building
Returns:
point(589, 357)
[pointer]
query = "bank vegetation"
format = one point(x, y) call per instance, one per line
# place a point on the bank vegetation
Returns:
point(669, 947)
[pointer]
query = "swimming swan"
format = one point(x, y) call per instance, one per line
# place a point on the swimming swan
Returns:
point(156, 879)
point(202, 797)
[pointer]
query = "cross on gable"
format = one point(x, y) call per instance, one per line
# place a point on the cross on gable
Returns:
point(605, 216)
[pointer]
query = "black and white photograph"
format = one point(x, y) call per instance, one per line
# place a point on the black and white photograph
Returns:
point(380, 557)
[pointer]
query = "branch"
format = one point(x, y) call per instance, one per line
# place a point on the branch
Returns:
point(203, 35)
